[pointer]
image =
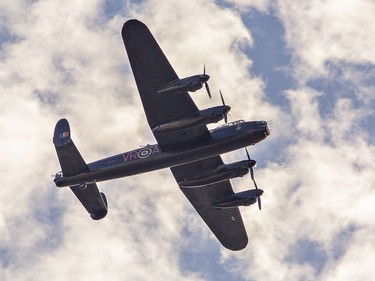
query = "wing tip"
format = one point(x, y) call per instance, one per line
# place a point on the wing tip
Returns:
point(132, 24)
point(132, 21)
point(236, 245)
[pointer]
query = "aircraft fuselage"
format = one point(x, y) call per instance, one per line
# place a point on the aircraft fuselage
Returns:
point(223, 139)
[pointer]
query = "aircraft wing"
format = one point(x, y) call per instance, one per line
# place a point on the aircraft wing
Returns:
point(152, 70)
point(226, 224)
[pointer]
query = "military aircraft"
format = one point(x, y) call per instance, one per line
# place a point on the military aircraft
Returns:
point(184, 144)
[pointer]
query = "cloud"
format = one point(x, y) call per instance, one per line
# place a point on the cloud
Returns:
point(68, 60)
point(319, 32)
point(245, 5)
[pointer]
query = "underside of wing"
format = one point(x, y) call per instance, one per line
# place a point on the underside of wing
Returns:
point(226, 224)
point(152, 71)
point(92, 199)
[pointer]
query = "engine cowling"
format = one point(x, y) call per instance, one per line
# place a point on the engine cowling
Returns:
point(244, 198)
point(206, 116)
point(190, 84)
point(221, 173)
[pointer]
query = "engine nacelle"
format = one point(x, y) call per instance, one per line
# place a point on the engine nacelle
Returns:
point(244, 198)
point(190, 84)
point(219, 174)
point(206, 116)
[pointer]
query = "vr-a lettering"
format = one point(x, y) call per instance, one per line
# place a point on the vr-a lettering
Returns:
point(129, 156)
point(140, 154)
point(155, 149)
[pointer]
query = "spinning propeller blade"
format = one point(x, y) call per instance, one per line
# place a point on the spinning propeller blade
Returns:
point(205, 83)
point(208, 89)
point(252, 177)
point(259, 203)
point(225, 113)
point(222, 98)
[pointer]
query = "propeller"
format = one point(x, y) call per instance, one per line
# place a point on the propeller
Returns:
point(205, 79)
point(252, 164)
point(225, 112)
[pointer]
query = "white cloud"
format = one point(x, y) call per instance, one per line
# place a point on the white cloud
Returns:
point(319, 32)
point(245, 5)
point(310, 202)
point(69, 61)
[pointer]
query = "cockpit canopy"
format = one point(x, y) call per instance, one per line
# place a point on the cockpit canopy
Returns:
point(229, 124)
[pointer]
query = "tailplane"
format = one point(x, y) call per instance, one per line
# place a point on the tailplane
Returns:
point(72, 164)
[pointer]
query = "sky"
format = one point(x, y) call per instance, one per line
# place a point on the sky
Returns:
point(309, 66)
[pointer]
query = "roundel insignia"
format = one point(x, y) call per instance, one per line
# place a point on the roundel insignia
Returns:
point(144, 152)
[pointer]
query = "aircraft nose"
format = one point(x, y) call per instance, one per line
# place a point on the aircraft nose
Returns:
point(260, 192)
point(268, 130)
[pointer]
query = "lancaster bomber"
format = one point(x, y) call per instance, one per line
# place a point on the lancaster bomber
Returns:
point(184, 144)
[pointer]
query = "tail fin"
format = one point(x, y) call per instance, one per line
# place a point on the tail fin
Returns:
point(72, 163)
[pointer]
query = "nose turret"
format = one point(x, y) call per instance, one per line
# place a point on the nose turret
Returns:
point(259, 131)
point(268, 129)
